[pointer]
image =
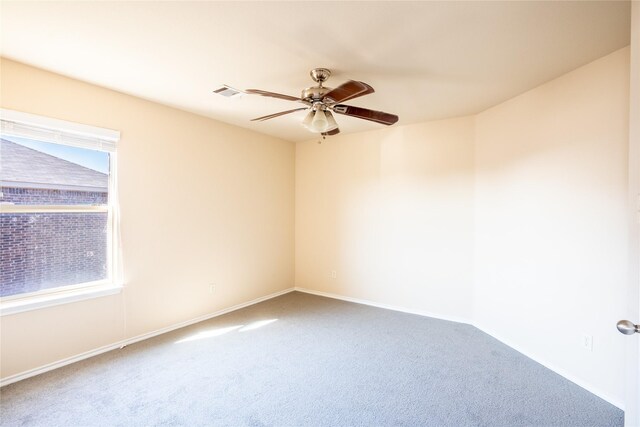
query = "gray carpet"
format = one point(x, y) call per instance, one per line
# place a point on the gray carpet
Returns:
point(322, 362)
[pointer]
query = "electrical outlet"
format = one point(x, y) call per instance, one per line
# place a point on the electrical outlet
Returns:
point(212, 288)
point(587, 342)
point(333, 274)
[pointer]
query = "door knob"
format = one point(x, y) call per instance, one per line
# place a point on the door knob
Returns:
point(628, 328)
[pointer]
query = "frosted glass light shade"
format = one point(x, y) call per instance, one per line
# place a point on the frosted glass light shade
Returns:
point(308, 119)
point(319, 122)
point(331, 122)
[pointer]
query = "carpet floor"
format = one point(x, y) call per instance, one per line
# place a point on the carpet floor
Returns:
point(304, 360)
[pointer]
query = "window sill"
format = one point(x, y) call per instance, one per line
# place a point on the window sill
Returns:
point(57, 298)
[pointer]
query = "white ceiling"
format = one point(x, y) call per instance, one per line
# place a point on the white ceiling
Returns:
point(426, 60)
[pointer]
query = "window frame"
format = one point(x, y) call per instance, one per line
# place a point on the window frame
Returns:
point(82, 136)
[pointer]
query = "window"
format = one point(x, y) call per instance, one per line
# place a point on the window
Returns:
point(57, 226)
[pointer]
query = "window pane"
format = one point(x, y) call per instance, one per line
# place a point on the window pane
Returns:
point(40, 173)
point(47, 250)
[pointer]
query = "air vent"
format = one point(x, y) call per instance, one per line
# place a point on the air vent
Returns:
point(227, 91)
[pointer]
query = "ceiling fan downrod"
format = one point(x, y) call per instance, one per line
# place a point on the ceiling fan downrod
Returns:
point(315, 94)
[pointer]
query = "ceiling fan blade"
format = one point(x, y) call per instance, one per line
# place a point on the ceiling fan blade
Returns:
point(332, 132)
point(366, 114)
point(282, 113)
point(349, 90)
point(271, 94)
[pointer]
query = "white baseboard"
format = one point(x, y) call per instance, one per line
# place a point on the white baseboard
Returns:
point(67, 361)
point(385, 306)
point(589, 387)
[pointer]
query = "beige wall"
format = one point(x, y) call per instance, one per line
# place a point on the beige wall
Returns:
point(391, 211)
point(201, 202)
point(551, 221)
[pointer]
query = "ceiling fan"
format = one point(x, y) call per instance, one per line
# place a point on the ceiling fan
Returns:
point(321, 101)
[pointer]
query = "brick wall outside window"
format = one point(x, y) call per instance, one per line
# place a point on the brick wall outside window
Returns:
point(45, 250)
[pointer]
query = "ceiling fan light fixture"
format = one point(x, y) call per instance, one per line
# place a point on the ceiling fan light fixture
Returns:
point(319, 123)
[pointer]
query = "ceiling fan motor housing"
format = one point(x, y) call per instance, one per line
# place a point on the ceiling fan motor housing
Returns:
point(314, 93)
